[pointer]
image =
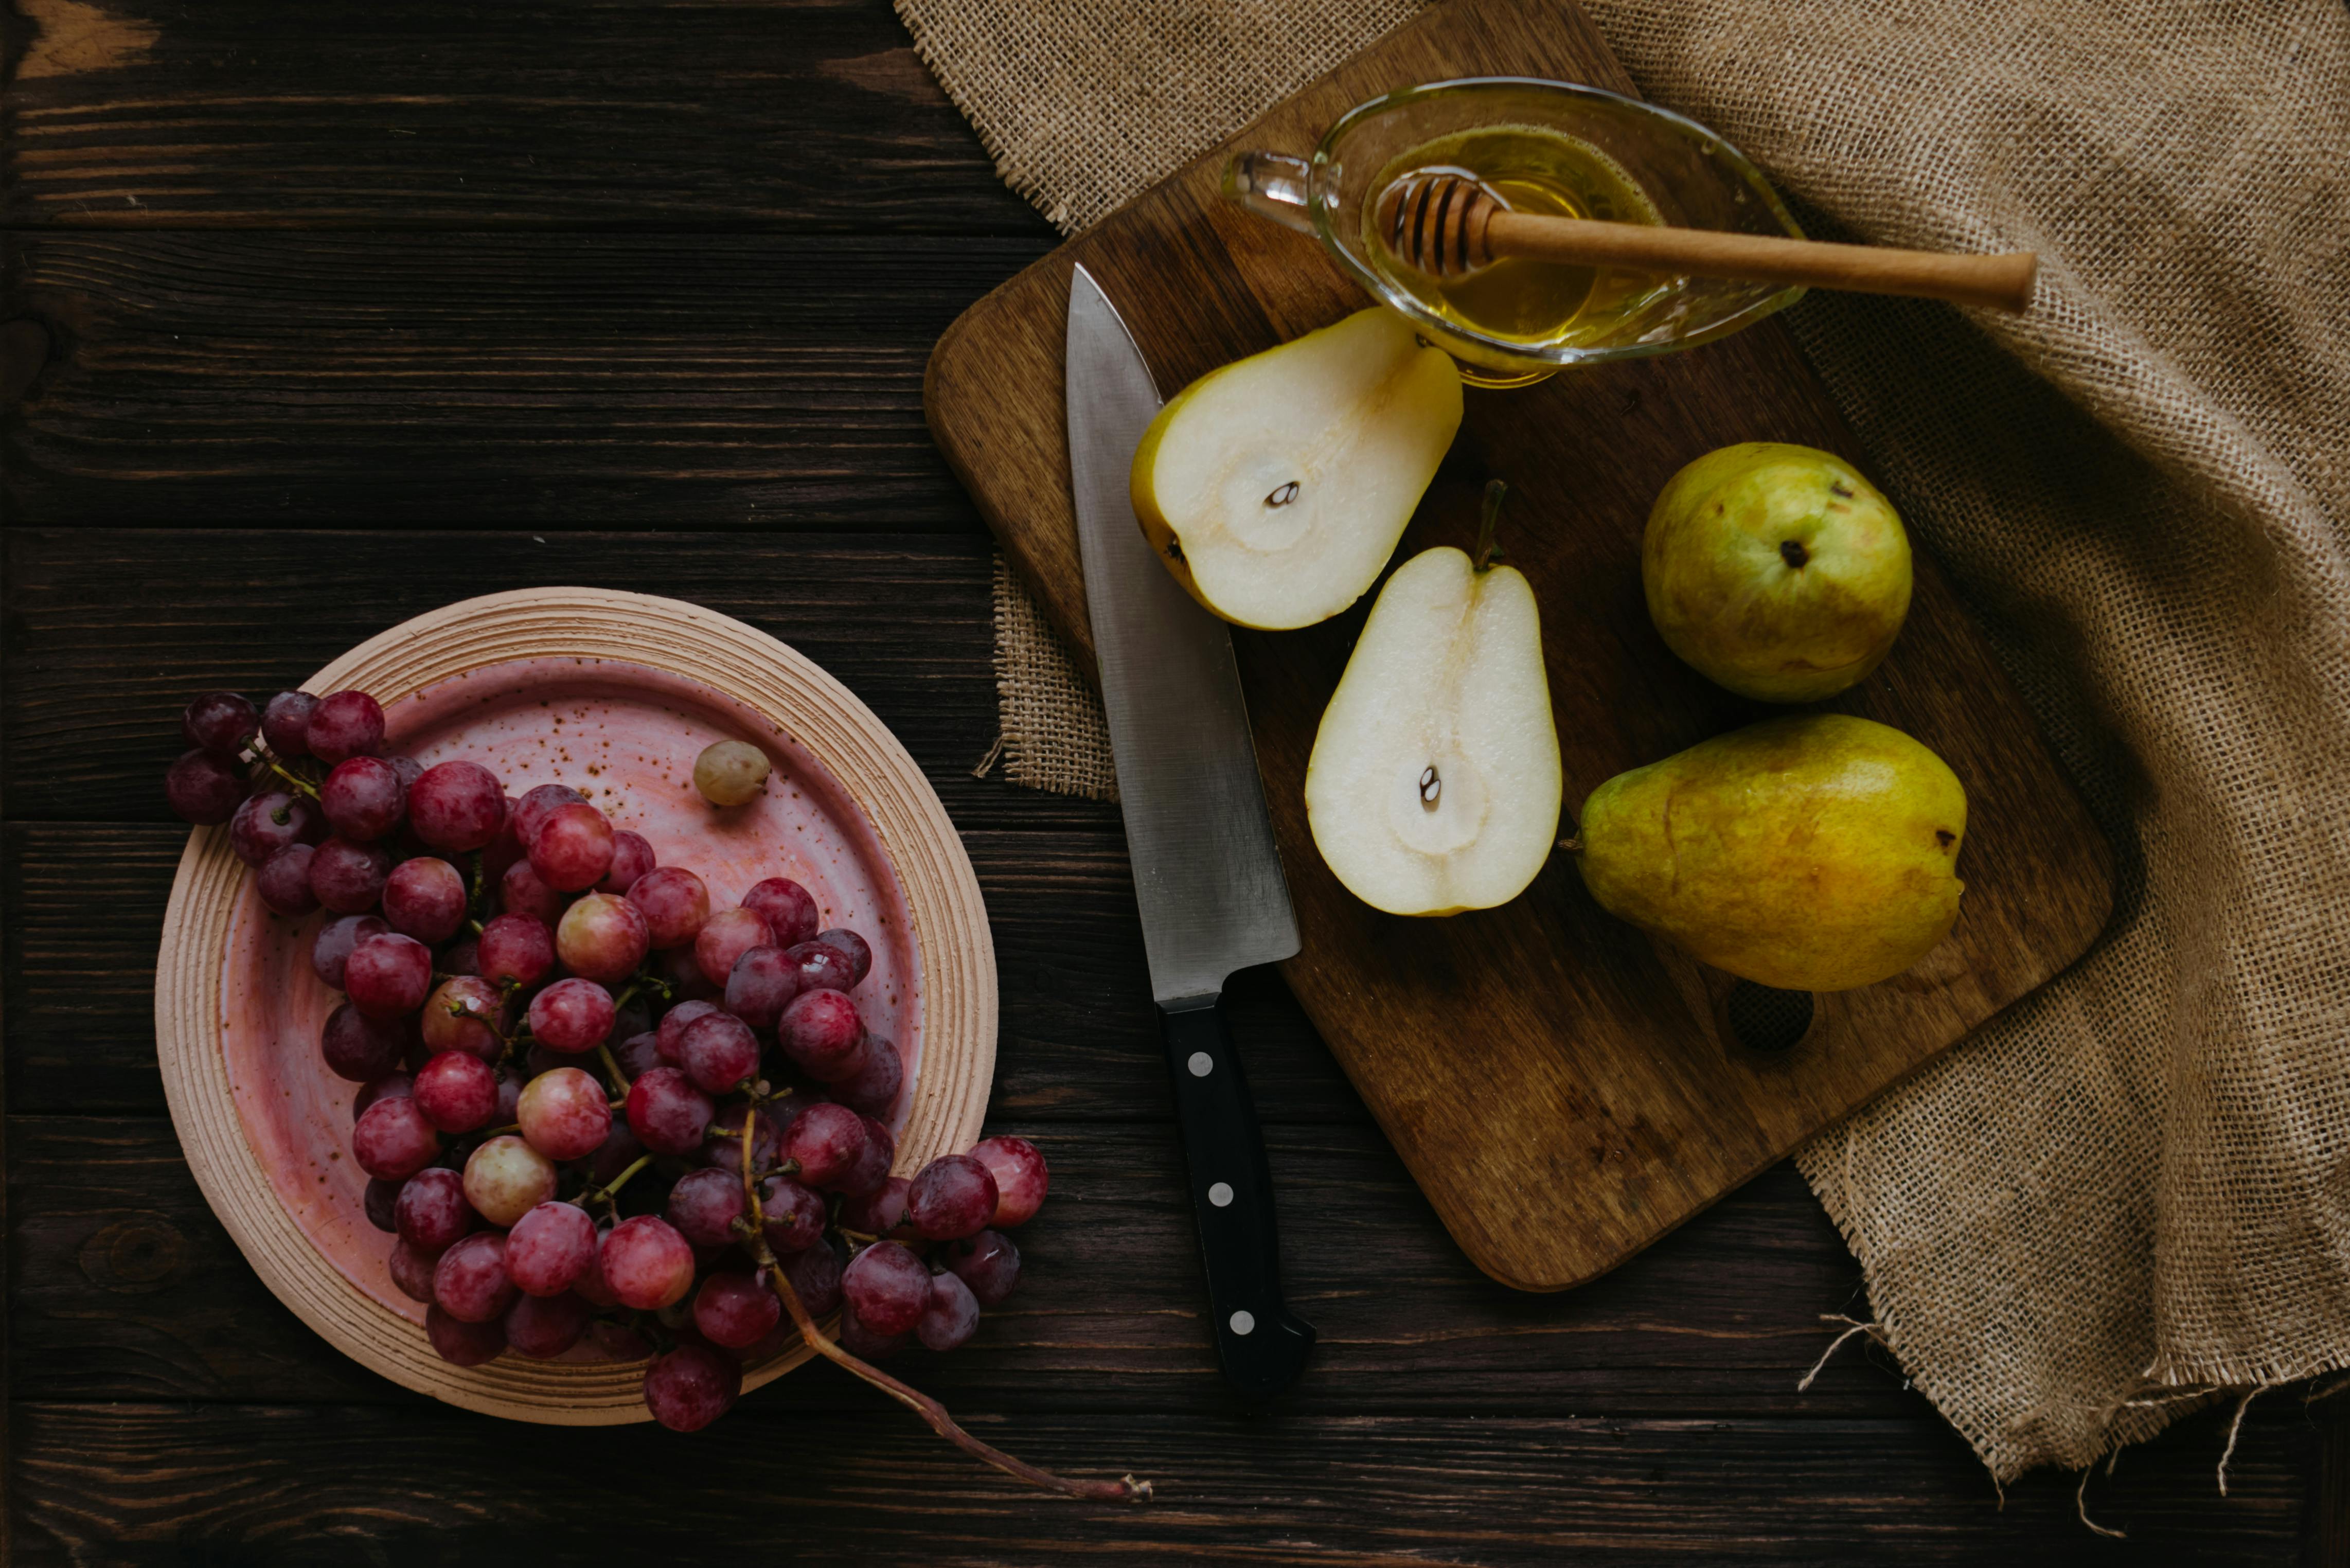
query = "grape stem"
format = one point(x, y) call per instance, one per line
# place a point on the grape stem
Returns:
point(611, 1189)
point(1126, 1490)
point(611, 1065)
point(300, 784)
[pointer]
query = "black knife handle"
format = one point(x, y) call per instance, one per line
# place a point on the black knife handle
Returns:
point(1262, 1344)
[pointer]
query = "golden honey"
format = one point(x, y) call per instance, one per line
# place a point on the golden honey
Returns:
point(1539, 303)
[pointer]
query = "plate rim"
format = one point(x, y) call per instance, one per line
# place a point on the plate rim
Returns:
point(954, 943)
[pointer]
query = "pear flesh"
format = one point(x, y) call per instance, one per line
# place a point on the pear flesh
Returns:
point(1435, 783)
point(1776, 571)
point(1275, 488)
point(1811, 853)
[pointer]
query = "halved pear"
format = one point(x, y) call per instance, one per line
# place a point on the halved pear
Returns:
point(1434, 784)
point(1275, 488)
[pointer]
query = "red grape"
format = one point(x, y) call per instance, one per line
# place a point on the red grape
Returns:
point(511, 1083)
point(202, 789)
point(389, 975)
point(621, 1148)
point(879, 1212)
point(871, 1170)
point(704, 1205)
point(286, 723)
point(602, 937)
point(564, 1113)
point(865, 1345)
point(590, 1283)
point(761, 984)
point(887, 1287)
point(392, 1140)
point(952, 1196)
point(411, 1270)
point(283, 881)
point(815, 1276)
point(793, 1212)
point(860, 952)
point(504, 849)
point(826, 1140)
point(506, 1178)
point(988, 1262)
point(632, 856)
point(219, 722)
point(874, 1089)
point(544, 1327)
point(638, 1054)
point(550, 1248)
point(346, 724)
point(470, 1282)
point(463, 956)
point(675, 904)
point(618, 1341)
point(1021, 1178)
point(646, 1263)
point(531, 811)
point(820, 1031)
point(522, 891)
point(718, 1052)
point(424, 898)
point(726, 937)
point(667, 1113)
point(363, 799)
point(358, 1047)
point(463, 1343)
point(572, 849)
point(692, 1386)
point(456, 1092)
point(465, 1013)
point(572, 1015)
point(381, 1201)
point(725, 1146)
point(389, 1086)
point(348, 877)
point(432, 1213)
point(269, 822)
point(330, 949)
point(680, 970)
point(788, 908)
point(735, 1309)
point(457, 805)
point(822, 966)
point(951, 1315)
point(515, 949)
point(673, 1025)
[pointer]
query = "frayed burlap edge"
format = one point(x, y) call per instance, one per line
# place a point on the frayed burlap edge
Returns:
point(1055, 737)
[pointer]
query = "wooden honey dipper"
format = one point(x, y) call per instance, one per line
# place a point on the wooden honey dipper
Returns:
point(1449, 226)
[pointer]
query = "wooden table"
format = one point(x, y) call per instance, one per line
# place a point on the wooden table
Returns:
point(335, 312)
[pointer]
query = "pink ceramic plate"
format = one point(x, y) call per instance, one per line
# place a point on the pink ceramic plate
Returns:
point(614, 694)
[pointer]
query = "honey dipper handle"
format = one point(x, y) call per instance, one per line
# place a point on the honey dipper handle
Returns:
point(2002, 281)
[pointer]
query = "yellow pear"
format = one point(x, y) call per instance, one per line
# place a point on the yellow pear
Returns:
point(1811, 853)
point(1776, 571)
point(1275, 488)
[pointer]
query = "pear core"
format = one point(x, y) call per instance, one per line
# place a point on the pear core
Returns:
point(1275, 488)
point(1435, 784)
point(1811, 852)
point(1776, 571)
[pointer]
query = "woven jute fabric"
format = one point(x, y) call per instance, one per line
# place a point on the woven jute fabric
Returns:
point(2132, 1189)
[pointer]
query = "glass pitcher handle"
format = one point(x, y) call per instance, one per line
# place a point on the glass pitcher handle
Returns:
point(1272, 185)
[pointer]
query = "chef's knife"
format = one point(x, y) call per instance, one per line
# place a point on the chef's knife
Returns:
point(1205, 870)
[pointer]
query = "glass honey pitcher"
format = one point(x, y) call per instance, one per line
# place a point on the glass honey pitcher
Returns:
point(1543, 147)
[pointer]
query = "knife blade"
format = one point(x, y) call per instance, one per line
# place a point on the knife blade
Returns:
point(1207, 875)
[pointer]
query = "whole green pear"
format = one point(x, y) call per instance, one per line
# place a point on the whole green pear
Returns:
point(1811, 852)
point(1776, 571)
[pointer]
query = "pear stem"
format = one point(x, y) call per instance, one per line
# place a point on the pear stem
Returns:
point(1488, 552)
point(1571, 846)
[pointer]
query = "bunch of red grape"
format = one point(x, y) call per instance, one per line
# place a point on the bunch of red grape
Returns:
point(516, 972)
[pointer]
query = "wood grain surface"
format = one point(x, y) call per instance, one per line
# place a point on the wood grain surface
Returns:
point(1565, 1090)
point(190, 498)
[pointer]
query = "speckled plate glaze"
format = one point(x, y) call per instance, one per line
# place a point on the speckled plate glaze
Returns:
point(614, 694)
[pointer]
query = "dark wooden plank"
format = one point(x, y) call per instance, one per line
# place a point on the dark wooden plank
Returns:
point(129, 1289)
point(1605, 1100)
point(721, 380)
point(803, 116)
point(139, 1484)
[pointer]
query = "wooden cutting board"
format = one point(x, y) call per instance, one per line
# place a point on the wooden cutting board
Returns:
point(1565, 1090)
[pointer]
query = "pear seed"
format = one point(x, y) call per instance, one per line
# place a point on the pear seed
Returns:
point(1430, 786)
point(1282, 497)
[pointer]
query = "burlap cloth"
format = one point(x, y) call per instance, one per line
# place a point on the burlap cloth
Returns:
point(2132, 1191)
